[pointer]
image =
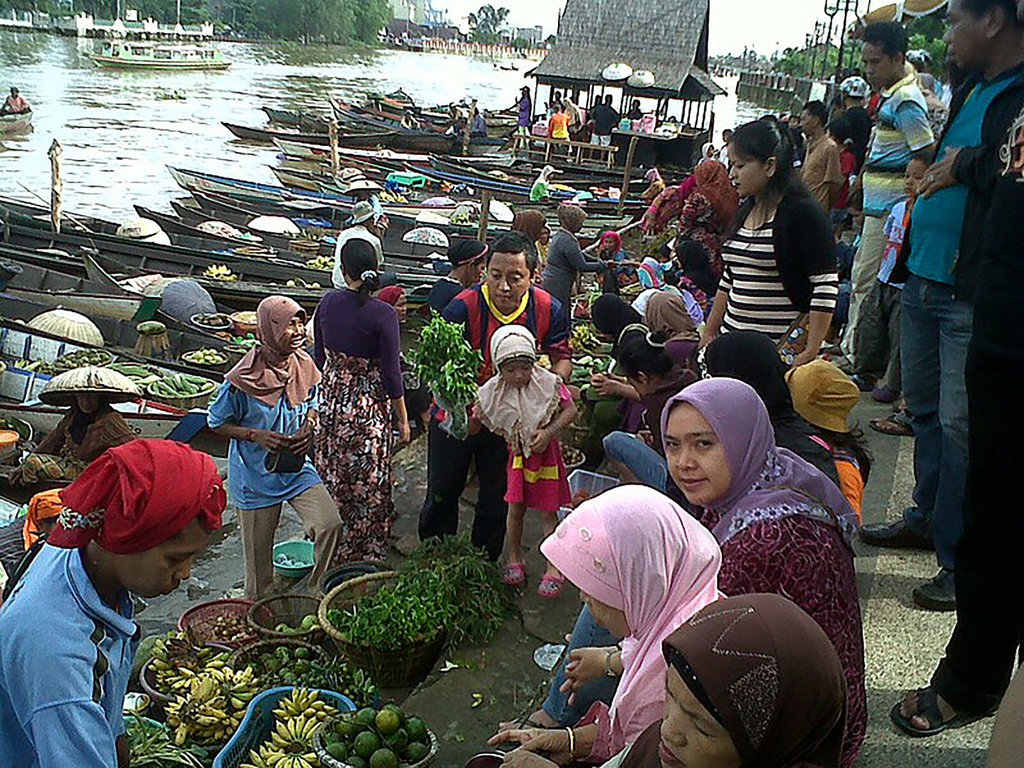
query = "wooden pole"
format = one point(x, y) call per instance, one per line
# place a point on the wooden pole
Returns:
point(469, 123)
point(332, 131)
point(628, 172)
point(485, 215)
point(56, 154)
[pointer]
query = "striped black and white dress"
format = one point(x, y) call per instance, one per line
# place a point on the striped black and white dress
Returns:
point(757, 298)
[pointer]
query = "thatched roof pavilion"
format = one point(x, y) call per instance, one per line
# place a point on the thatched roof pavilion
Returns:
point(668, 38)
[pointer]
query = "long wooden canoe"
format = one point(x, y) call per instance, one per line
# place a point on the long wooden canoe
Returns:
point(267, 136)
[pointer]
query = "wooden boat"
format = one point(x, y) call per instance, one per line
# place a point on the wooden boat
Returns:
point(267, 136)
point(136, 54)
point(147, 419)
point(14, 124)
point(304, 121)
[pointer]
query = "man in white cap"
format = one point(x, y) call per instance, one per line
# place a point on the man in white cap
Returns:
point(362, 225)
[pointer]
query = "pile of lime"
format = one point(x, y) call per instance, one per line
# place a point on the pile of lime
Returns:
point(309, 621)
point(384, 738)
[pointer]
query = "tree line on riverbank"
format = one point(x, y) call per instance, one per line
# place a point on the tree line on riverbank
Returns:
point(335, 21)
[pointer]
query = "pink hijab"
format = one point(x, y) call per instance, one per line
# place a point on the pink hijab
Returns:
point(638, 551)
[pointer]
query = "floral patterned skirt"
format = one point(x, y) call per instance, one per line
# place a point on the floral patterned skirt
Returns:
point(353, 454)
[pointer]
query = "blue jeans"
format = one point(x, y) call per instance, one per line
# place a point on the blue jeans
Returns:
point(646, 464)
point(935, 332)
point(586, 634)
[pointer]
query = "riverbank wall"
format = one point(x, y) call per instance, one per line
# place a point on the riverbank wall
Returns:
point(780, 92)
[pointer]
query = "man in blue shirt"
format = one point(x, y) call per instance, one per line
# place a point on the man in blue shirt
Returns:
point(133, 522)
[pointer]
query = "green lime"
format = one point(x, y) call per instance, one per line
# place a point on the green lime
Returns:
point(417, 730)
point(301, 667)
point(365, 717)
point(388, 722)
point(302, 653)
point(383, 758)
point(366, 744)
point(397, 741)
point(346, 729)
point(338, 750)
point(416, 752)
point(355, 761)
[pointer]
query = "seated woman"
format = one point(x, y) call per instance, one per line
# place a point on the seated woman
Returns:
point(785, 669)
point(824, 396)
point(609, 249)
point(751, 357)
point(89, 428)
point(783, 526)
point(644, 358)
point(644, 566)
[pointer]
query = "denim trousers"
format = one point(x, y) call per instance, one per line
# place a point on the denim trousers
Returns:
point(646, 464)
point(935, 332)
point(586, 634)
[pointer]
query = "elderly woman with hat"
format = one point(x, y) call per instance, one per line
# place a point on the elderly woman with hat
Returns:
point(363, 224)
point(565, 258)
point(131, 524)
point(90, 427)
point(467, 260)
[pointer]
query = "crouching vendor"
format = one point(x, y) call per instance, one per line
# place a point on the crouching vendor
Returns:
point(131, 525)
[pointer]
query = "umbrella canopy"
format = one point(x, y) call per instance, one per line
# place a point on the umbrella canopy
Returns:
point(426, 236)
point(90, 379)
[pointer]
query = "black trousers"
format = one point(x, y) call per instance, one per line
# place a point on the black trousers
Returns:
point(447, 466)
point(982, 652)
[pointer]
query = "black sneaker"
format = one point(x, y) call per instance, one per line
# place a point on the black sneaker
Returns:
point(895, 535)
point(939, 594)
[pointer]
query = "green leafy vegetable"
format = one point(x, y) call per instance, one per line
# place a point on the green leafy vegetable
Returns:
point(450, 366)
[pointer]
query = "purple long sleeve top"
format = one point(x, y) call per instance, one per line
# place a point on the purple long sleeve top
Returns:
point(370, 331)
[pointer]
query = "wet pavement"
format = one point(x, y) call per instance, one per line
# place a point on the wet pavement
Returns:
point(501, 681)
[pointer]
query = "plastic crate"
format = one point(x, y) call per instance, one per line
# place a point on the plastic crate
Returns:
point(259, 719)
point(406, 179)
point(591, 482)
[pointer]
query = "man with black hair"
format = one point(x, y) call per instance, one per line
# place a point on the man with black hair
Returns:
point(605, 119)
point(506, 296)
point(902, 132)
point(822, 170)
point(980, 171)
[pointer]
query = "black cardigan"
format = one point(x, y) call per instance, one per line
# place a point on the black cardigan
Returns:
point(804, 243)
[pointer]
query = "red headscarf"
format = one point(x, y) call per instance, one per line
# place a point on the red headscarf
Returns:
point(391, 294)
point(273, 368)
point(714, 183)
point(138, 495)
point(615, 238)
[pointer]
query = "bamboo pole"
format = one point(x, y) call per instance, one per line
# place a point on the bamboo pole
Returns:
point(469, 124)
point(485, 215)
point(332, 132)
point(628, 172)
point(56, 155)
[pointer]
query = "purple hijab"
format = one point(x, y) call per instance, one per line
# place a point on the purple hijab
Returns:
point(768, 483)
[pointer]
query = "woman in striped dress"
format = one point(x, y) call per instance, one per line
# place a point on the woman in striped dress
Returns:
point(780, 256)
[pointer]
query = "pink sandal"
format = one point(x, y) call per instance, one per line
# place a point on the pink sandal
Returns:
point(514, 574)
point(551, 586)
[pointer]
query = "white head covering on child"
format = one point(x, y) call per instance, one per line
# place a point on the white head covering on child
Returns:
point(517, 413)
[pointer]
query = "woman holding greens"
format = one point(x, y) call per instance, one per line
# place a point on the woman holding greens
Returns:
point(357, 346)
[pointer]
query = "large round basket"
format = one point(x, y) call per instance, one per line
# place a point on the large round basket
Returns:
point(320, 747)
point(199, 622)
point(199, 400)
point(246, 653)
point(147, 680)
point(389, 669)
point(288, 609)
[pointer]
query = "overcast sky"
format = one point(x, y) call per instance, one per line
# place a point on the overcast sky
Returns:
point(734, 23)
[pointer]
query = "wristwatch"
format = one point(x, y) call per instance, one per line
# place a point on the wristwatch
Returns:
point(608, 671)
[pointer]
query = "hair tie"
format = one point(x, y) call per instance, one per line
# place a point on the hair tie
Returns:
point(369, 275)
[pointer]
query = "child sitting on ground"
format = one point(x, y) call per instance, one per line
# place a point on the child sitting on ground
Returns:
point(824, 396)
point(528, 406)
point(877, 364)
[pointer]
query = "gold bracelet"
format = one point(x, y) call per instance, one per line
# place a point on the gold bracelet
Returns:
point(572, 744)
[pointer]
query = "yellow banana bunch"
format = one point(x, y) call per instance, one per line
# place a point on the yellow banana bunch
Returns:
point(213, 707)
point(219, 272)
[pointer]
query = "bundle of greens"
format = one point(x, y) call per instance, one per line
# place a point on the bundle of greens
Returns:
point(151, 746)
point(446, 362)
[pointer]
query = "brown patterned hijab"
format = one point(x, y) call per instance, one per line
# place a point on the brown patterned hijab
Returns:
point(768, 673)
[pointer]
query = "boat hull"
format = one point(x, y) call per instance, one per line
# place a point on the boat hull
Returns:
point(116, 62)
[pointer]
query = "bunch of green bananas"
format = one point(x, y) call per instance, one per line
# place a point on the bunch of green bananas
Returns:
point(213, 707)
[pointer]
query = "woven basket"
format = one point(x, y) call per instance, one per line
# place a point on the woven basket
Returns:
point(290, 609)
point(198, 622)
point(242, 656)
point(320, 747)
point(389, 669)
point(147, 680)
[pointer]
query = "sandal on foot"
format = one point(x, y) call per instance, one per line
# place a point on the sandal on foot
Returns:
point(891, 426)
point(928, 708)
point(514, 574)
point(551, 586)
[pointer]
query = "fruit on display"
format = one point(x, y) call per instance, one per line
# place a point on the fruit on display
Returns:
point(249, 340)
point(180, 386)
point(384, 738)
point(141, 375)
point(205, 356)
point(296, 718)
point(287, 666)
point(212, 708)
point(309, 621)
point(212, 320)
point(230, 628)
point(298, 282)
point(219, 272)
point(176, 662)
point(325, 263)
point(37, 366)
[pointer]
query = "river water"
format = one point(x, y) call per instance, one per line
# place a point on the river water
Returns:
point(119, 131)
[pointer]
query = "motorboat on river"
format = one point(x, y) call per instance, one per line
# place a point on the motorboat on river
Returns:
point(131, 54)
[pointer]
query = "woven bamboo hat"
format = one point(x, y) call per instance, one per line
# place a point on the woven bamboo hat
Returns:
point(88, 380)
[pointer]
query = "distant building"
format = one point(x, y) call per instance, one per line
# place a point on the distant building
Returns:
point(418, 12)
point(532, 35)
